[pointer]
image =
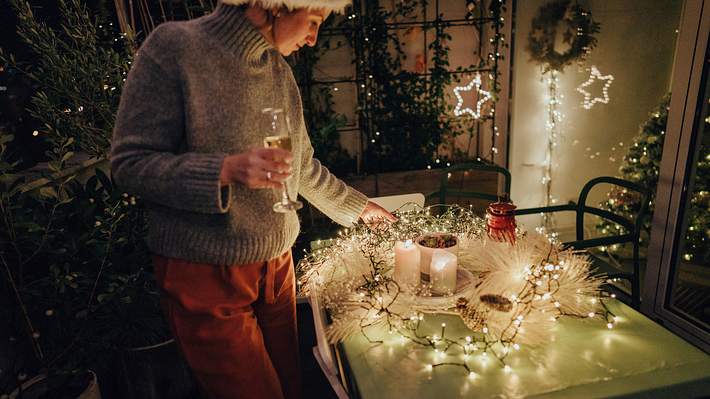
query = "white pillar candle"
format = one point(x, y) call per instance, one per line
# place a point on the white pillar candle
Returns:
point(442, 272)
point(406, 263)
point(426, 253)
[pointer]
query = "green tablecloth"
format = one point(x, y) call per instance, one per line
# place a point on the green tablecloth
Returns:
point(638, 358)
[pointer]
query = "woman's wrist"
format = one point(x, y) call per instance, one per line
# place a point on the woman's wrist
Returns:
point(225, 177)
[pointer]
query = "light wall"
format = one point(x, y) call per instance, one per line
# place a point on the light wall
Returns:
point(636, 45)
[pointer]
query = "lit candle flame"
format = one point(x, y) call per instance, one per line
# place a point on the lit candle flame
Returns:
point(439, 264)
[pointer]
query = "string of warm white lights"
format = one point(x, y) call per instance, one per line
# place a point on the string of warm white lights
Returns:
point(520, 292)
point(589, 102)
point(554, 118)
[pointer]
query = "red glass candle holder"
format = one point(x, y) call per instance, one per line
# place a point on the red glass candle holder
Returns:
point(500, 218)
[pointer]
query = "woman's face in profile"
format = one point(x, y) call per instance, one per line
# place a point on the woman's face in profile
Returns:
point(298, 28)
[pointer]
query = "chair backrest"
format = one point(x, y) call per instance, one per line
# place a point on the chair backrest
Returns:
point(403, 202)
point(445, 189)
point(632, 225)
point(320, 322)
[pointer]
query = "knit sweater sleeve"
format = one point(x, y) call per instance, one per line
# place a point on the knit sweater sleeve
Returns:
point(146, 155)
point(329, 194)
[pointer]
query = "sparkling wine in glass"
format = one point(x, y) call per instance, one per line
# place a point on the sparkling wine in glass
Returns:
point(278, 137)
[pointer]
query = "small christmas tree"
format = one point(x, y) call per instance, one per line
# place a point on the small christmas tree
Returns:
point(641, 165)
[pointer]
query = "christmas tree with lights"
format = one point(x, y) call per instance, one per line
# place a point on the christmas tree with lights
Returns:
point(697, 235)
point(641, 165)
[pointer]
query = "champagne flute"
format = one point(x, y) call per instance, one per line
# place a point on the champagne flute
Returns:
point(278, 137)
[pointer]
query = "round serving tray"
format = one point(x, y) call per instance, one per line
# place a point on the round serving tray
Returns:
point(464, 280)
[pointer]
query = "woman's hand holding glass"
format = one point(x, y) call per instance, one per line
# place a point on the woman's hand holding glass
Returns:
point(257, 168)
point(278, 135)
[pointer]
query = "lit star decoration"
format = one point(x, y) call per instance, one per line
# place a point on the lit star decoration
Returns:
point(595, 75)
point(483, 96)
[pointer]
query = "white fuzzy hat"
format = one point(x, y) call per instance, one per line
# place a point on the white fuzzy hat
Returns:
point(337, 6)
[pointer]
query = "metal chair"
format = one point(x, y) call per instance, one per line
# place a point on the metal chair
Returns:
point(632, 232)
point(445, 189)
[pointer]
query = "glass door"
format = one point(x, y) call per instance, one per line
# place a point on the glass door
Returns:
point(678, 282)
point(690, 281)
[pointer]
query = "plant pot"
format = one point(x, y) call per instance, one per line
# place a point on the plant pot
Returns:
point(427, 252)
point(37, 387)
point(149, 372)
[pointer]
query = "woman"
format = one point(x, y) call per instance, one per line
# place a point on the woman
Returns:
point(188, 139)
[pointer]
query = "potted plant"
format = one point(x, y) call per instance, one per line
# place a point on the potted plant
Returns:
point(47, 297)
point(81, 386)
point(76, 267)
point(74, 264)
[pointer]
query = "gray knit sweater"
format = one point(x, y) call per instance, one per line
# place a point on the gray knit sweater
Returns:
point(194, 94)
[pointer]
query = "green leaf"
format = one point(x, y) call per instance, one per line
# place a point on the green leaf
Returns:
point(34, 227)
point(66, 201)
point(6, 138)
point(48, 192)
point(105, 181)
point(54, 166)
point(90, 186)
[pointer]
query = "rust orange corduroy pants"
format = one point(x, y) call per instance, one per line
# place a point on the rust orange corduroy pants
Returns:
point(235, 325)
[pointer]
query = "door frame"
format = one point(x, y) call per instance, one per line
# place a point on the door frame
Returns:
point(684, 110)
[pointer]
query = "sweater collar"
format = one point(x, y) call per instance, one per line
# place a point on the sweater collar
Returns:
point(229, 25)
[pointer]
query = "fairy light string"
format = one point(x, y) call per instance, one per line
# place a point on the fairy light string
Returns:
point(580, 36)
point(361, 294)
point(552, 125)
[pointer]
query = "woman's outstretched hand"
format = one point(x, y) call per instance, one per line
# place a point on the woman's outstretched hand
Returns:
point(376, 216)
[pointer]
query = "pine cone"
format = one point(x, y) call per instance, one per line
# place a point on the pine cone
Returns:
point(497, 302)
point(472, 318)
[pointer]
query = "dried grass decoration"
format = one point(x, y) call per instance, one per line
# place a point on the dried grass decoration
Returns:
point(579, 29)
point(517, 294)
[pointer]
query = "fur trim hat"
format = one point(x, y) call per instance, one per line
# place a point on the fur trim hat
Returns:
point(337, 6)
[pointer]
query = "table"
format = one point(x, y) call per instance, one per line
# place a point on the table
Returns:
point(637, 358)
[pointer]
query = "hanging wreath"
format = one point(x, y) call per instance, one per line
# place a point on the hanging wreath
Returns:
point(579, 35)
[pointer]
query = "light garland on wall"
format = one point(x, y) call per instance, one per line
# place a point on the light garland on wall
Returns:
point(483, 97)
point(520, 293)
point(580, 29)
point(552, 125)
point(595, 75)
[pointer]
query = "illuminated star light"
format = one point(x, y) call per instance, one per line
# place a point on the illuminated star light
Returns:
point(483, 96)
point(595, 75)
